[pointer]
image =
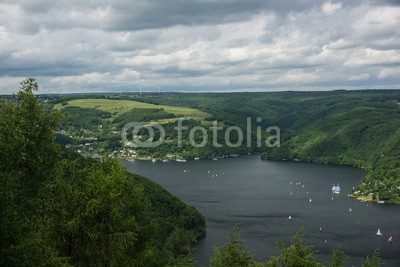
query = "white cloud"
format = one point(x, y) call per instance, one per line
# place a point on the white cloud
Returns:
point(87, 78)
point(360, 77)
point(372, 57)
point(297, 77)
point(330, 8)
point(389, 73)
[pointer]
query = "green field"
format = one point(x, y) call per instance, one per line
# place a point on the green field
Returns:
point(118, 107)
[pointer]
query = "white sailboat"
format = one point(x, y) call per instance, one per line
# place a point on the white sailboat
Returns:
point(290, 217)
point(350, 210)
point(379, 232)
point(310, 200)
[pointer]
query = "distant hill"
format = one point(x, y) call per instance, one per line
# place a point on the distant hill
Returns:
point(357, 128)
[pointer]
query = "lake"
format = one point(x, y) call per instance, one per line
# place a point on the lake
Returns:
point(255, 195)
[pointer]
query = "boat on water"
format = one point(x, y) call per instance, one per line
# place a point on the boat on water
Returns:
point(196, 158)
point(379, 232)
point(310, 200)
point(290, 217)
point(153, 160)
point(390, 239)
point(381, 202)
point(350, 210)
point(181, 160)
point(336, 189)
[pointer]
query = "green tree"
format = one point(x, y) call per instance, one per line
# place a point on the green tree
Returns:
point(339, 258)
point(294, 254)
point(94, 216)
point(27, 148)
point(27, 158)
point(373, 261)
point(233, 253)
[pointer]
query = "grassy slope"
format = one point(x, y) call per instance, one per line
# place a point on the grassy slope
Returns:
point(118, 107)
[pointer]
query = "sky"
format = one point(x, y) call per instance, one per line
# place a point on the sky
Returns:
point(199, 45)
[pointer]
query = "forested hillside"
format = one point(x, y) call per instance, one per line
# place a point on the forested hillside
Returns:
point(341, 127)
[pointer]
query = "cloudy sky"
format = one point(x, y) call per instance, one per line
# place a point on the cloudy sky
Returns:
point(199, 45)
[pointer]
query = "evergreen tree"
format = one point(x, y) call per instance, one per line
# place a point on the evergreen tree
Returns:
point(294, 254)
point(373, 261)
point(339, 258)
point(232, 254)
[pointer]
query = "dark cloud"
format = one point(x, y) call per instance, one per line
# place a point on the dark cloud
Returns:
point(200, 45)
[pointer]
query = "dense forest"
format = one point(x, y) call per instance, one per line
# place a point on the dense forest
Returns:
point(60, 208)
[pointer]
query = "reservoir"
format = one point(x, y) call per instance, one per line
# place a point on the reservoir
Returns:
point(258, 196)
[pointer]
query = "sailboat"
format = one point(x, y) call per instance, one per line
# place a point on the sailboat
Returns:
point(379, 232)
point(350, 210)
point(290, 218)
point(310, 200)
point(390, 239)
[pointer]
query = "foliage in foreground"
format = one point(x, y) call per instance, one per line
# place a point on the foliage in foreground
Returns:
point(59, 208)
point(293, 254)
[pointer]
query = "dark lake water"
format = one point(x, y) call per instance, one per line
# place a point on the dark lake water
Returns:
point(255, 195)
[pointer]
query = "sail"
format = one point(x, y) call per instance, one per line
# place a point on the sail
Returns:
point(379, 232)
